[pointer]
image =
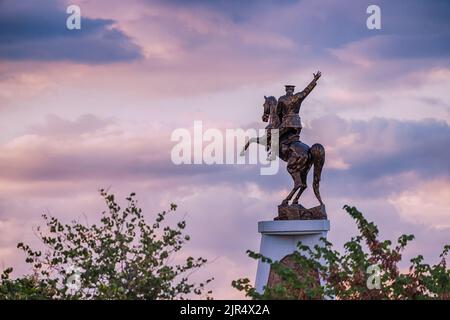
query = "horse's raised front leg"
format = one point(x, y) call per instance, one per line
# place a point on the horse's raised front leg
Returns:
point(250, 141)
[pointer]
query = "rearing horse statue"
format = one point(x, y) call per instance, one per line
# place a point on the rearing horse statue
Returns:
point(283, 116)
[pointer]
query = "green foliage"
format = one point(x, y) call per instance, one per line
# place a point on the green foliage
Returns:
point(346, 276)
point(26, 288)
point(121, 257)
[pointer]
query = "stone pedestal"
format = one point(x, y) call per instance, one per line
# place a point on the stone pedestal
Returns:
point(279, 239)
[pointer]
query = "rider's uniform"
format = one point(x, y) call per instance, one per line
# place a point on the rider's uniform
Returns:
point(288, 111)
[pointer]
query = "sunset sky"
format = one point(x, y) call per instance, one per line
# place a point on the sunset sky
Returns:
point(94, 108)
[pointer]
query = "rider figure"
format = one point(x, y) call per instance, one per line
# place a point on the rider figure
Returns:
point(288, 111)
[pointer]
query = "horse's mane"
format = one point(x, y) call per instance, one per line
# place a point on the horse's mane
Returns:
point(272, 98)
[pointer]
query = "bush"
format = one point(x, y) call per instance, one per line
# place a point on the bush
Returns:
point(122, 257)
point(368, 269)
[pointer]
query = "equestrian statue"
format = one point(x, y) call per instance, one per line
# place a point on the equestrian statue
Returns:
point(283, 117)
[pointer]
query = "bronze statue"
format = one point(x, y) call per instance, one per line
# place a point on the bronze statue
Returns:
point(283, 114)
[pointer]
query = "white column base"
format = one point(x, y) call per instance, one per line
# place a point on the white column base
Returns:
point(280, 238)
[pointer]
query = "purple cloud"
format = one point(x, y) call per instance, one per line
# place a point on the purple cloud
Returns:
point(32, 30)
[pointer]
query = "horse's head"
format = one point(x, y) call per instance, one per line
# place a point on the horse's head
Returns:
point(268, 103)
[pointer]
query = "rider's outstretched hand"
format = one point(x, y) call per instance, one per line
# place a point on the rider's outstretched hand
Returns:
point(317, 75)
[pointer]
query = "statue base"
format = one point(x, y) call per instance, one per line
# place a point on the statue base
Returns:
point(299, 212)
point(279, 240)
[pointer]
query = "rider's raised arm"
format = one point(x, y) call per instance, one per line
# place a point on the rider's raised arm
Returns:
point(303, 94)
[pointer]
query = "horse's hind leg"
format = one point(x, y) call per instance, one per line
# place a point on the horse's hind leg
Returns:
point(303, 187)
point(297, 185)
point(291, 194)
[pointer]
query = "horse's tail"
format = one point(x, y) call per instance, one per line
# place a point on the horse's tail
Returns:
point(318, 157)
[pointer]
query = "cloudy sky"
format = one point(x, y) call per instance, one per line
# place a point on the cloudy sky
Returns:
point(81, 110)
